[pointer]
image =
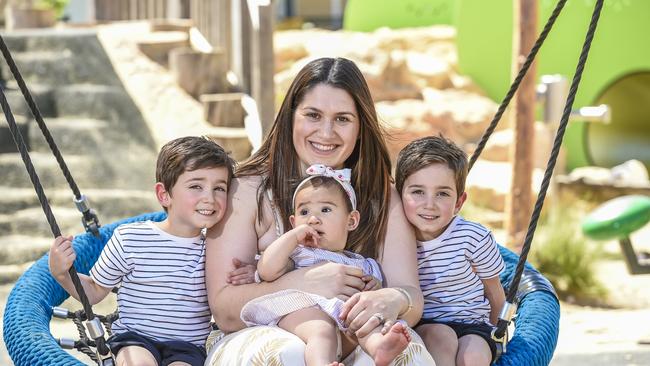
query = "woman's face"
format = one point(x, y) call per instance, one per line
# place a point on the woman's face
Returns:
point(325, 126)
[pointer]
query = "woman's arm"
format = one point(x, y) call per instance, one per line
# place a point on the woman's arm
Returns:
point(495, 295)
point(399, 263)
point(236, 236)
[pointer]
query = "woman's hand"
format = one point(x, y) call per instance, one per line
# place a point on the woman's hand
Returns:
point(365, 311)
point(331, 280)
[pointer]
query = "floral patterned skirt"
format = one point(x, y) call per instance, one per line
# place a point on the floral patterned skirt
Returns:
point(265, 345)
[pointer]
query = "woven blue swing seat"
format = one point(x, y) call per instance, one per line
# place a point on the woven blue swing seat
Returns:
point(29, 308)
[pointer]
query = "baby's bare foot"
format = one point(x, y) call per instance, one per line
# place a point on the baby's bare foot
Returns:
point(336, 364)
point(392, 344)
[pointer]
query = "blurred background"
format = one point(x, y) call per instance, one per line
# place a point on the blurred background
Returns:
point(116, 79)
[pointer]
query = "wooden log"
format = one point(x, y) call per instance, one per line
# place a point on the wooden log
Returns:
point(223, 109)
point(199, 72)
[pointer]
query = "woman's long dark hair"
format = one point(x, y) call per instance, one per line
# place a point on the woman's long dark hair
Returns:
point(279, 165)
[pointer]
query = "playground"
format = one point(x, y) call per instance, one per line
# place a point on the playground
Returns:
point(432, 67)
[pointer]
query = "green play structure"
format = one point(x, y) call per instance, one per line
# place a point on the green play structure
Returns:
point(618, 72)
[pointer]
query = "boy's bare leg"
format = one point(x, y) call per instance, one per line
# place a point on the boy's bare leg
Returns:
point(473, 350)
point(318, 331)
point(135, 356)
point(383, 348)
point(441, 342)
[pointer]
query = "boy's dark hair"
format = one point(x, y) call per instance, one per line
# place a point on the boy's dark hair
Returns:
point(187, 154)
point(325, 182)
point(428, 150)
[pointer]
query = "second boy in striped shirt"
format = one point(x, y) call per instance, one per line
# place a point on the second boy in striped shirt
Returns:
point(458, 261)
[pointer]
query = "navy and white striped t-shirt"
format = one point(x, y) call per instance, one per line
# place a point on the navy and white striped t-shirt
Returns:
point(162, 294)
point(451, 267)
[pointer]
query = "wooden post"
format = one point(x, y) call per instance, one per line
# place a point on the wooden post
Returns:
point(519, 201)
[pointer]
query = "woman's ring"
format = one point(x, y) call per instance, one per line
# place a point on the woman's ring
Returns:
point(379, 317)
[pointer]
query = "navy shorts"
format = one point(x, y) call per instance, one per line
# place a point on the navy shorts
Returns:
point(482, 330)
point(164, 352)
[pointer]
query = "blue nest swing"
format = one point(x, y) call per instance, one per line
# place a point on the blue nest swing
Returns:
point(29, 307)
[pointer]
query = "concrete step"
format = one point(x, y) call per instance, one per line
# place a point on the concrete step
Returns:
point(85, 171)
point(32, 222)
point(108, 203)
point(41, 94)
point(107, 103)
point(9, 273)
point(58, 68)
point(87, 60)
point(80, 136)
point(7, 144)
point(21, 249)
point(47, 39)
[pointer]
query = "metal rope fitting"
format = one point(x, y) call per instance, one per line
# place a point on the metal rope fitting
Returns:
point(67, 343)
point(508, 312)
point(95, 329)
point(60, 312)
point(81, 203)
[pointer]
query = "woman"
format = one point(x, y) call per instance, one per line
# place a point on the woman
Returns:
point(327, 117)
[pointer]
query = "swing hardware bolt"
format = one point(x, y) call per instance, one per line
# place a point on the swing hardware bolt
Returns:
point(67, 343)
point(81, 203)
point(60, 312)
point(95, 329)
point(508, 311)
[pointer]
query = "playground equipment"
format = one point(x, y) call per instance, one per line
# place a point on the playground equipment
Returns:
point(618, 74)
point(618, 219)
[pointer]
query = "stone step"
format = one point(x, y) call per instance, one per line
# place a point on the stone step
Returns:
point(41, 94)
point(107, 203)
point(7, 144)
point(86, 172)
point(58, 68)
point(488, 184)
point(48, 39)
point(21, 249)
point(72, 136)
point(9, 273)
point(157, 45)
point(32, 222)
point(107, 103)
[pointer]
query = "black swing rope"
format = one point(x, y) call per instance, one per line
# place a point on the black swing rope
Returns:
point(100, 343)
point(89, 220)
point(502, 324)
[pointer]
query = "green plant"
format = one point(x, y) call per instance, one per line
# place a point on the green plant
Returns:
point(564, 256)
point(57, 5)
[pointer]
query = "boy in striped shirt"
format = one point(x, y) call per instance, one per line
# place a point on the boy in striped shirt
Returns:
point(458, 260)
point(164, 317)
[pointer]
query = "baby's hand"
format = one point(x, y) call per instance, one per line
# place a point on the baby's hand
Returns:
point(243, 273)
point(307, 236)
point(61, 256)
point(372, 283)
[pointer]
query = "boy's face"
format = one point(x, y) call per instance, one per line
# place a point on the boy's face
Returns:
point(430, 200)
point(196, 201)
point(325, 209)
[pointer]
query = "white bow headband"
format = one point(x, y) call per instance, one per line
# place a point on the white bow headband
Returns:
point(341, 176)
